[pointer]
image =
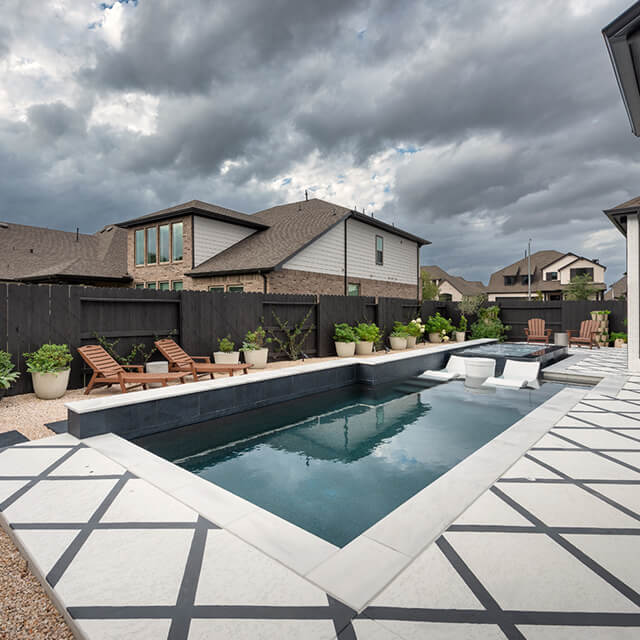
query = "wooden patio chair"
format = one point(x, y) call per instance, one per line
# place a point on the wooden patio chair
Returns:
point(588, 333)
point(106, 371)
point(180, 360)
point(536, 331)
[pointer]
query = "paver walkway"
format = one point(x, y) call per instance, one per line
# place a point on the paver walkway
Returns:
point(549, 551)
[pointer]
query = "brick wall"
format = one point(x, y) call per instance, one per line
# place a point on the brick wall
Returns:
point(252, 282)
point(305, 282)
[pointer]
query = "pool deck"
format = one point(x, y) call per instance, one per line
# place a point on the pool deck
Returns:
point(533, 536)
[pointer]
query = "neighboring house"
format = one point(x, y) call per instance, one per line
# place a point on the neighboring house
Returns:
point(618, 290)
point(311, 246)
point(453, 287)
point(551, 272)
point(40, 255)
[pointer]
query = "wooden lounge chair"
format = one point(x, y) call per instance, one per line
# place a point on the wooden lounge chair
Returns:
point(536, 331)
point(106, 371)
point(588, 334)
point(180, 360)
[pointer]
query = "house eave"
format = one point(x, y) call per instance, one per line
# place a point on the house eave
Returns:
point(191, 210)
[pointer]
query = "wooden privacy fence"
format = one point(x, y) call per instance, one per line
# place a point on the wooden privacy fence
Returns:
point(31, 315)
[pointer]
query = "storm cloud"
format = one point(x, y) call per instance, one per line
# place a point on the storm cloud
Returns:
point(476, 124)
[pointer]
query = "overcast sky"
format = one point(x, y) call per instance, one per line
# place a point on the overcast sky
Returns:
point(477, 124)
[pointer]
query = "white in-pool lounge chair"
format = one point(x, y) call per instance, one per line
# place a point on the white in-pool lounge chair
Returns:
point(455, 370)
point(516, 375)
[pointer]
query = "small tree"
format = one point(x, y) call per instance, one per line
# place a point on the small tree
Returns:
point(580, 288)
point(469, 305)
point(430, 289)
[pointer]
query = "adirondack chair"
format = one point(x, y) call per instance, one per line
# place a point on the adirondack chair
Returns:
point(536, 331)
point(587, 335)
point(180, 360)
point(106, 371)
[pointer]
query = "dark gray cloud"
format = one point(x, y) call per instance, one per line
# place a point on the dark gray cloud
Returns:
point(477, 124)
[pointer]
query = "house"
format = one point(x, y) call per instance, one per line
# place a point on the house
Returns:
point(453, 287)
point(551, 272)
point(306, 247)
point(618, 290)
point(40, 255)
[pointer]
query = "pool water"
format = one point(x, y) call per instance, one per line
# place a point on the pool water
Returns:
point(335, 463)
point(513, 349)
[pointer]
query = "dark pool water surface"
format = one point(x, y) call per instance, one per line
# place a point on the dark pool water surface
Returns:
point(335, 463)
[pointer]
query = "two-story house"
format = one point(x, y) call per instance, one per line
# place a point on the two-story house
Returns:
point(452, 287)
point(551, 272)
point(311, 246)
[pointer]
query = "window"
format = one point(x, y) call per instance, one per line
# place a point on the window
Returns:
point(217, 289)
point(176, 235)
point(151, 285)
point(509, 280)
point(552, 275)
point(152, 235)
point(238, 288)
point(163, 243)
point(139, 285)
point(176, 285)
point(445, 297)
point(581, 271)
point(163, 286)
point(379, 252)
point(353, 289)
point(524, 279)
point(140, 247)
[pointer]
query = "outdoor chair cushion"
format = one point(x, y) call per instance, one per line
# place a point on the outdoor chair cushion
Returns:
point(455, 369)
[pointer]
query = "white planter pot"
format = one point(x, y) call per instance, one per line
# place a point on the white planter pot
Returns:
point(435, 337)
point(257, 357)
point(161, 366)
point(619, 343)
point(223, 357)
point(345, 349)
point(482, 368)
point(397, 344)
point(411, 342)
point(363, 348)
point(460, 336)
point(49, 386)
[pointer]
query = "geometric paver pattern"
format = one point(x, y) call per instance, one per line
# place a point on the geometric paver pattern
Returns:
point(603, 361)
point(550, 550)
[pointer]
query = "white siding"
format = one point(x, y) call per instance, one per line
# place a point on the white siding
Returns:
point(400, 254)
point(598, 271)
point(210, 237)
point(558, 264)
point(324, 255)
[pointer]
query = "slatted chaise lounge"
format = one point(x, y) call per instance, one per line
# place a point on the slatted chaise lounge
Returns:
point(106, 371)
point(588, 334)
point(536, 331)
point(180, 360)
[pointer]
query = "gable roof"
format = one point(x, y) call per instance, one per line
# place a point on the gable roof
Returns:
point(38, 254)
point(465, 287)
point(196, 207)
point(289, 228)
point(539, 261)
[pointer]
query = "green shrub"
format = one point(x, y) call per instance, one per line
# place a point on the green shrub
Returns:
point(469, 305)
point(438, 324)
point(255, 340)
point(489, 324)
point(7, 374)
point(225, 345)
point(617, 335)
point(462, 326)
point(399, 330)
point(415, 328)
point(49, 358)
point(342, 332)
point(367, 332)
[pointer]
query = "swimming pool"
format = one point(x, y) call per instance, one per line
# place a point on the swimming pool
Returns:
point(335, 463)
point(501, 351)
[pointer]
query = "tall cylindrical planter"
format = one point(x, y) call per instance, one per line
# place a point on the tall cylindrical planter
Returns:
point(257, 357)
point(49, 386)
point(435, 337)
point(459, 336)
point(397, 344)
point(345, 349)
point(411, 342)
point(363, 347)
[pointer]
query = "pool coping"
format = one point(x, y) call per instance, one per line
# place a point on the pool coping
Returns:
point(356, 573)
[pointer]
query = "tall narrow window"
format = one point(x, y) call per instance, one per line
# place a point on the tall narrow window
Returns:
point(177, 241)
point(152, 241)
point(163, 243)
point(163, 286)
point(176, 285)
point(379, 250)
point(140, 247)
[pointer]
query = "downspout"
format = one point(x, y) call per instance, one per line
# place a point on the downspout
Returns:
point(418, 292)
point(264, 281)
point(346, 287)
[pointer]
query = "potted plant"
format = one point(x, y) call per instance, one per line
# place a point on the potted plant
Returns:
point(225, 353)
point(398, 337)
point(7, 374)
point(367, 334)
point(437, 327)
point(415, 329)
point(618, 338)
point(462, 329)
point(49, 369)
point(345, 340)
point(253, 348)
